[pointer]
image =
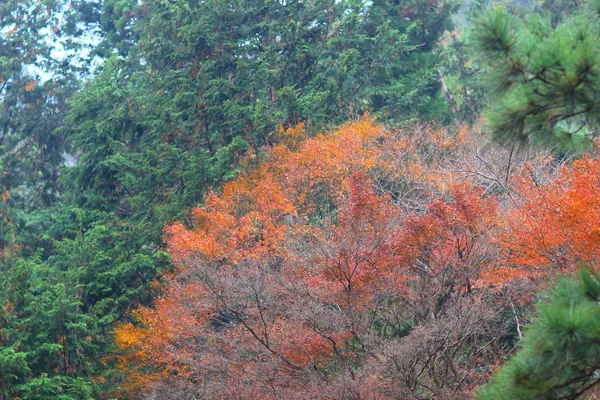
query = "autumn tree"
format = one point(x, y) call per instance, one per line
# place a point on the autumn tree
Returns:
point(303, 277)
point(551, 228)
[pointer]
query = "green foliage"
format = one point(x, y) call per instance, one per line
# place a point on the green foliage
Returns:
point(34, 87)
point(560, 354)
point(45, 339)
point(545, 81)
point(460, 75)
point(209, 80)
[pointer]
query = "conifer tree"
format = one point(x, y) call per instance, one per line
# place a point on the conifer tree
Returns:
point(545, 81)
point(34, 87)
point(560, 355)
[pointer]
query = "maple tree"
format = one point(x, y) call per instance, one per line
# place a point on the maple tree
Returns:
point(303, 276)
point(553, 226)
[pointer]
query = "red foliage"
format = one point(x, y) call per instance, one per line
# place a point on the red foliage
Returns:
point(305, 277)
point(555, 227)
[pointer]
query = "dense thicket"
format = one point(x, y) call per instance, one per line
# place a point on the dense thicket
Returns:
point(307, 279)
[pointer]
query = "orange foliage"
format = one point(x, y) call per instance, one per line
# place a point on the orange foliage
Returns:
point(30, 85)
point(454, 230)
point(284, 277)
point(241, 263)
point(555, 227)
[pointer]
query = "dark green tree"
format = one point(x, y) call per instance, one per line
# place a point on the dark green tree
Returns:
point(45, 338)
point(34, 86)
point(559, 357)
point(544, 81)
point(53, 331)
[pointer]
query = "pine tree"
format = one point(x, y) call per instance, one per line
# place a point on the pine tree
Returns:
point(545, 81)
point(559, 357)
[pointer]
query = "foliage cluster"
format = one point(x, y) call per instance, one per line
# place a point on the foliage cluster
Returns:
point(544, 77)
point(365, 269)
point(349, 264)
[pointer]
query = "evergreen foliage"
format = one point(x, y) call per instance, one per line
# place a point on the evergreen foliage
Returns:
point(559, 357)
point(45, 337)
point(545, 80)
point(34, 88)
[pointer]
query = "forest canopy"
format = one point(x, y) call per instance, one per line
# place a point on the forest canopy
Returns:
point(298, 199)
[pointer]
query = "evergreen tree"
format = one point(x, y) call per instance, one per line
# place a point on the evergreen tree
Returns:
point(46, 341)
point(545, 81)
point(34, 86)
point(560, 354)
point(53, 332)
